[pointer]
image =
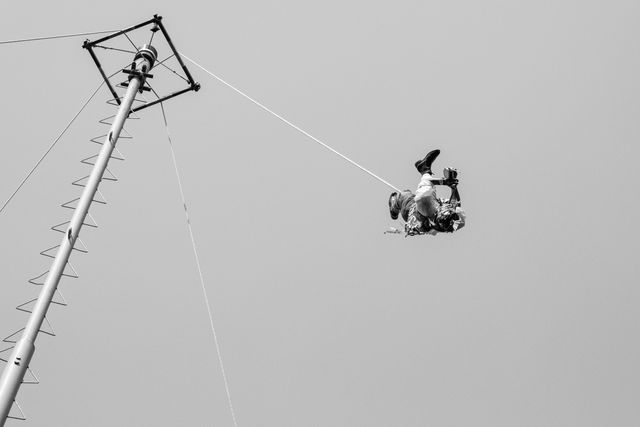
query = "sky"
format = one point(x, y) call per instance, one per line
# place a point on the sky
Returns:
point(527, 316)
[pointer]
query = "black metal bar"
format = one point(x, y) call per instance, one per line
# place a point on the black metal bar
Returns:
point(173, 48)
point(126, 30)
point(137, 73)
point(104, 76)
point(149, 104)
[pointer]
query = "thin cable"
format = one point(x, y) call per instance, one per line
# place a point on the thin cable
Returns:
point(166, 59)
point(174, 72)
point(289, 123)
point(50, 147)
point(195, 253)
point(114, 48)
point(130, 41)
point(56, 37)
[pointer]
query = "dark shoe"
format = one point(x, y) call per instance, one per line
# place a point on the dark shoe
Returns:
point(394, 206)
point(424, 165)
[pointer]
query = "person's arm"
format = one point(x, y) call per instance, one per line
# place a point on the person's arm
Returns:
point(451, 183)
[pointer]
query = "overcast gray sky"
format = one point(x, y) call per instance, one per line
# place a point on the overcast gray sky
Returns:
point(527, 317)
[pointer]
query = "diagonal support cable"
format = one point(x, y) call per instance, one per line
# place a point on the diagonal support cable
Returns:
point(61, 36)
point(50, 148)
point(58, 138)
point(173, 71)
point(197, 259)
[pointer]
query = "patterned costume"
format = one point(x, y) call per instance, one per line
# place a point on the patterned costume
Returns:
point(423, 212)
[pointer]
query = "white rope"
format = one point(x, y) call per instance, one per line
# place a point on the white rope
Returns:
point(289, 123)
point(61, 36)
point(195, 253)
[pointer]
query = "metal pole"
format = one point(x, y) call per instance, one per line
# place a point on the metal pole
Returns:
point(17, 365)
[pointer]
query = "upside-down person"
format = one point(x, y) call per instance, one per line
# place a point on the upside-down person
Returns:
point(423, 212)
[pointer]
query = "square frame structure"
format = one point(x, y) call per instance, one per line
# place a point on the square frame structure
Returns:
point(157, 22)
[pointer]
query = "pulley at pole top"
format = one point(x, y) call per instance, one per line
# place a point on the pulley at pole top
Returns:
point(143, 62)
point(149, 52)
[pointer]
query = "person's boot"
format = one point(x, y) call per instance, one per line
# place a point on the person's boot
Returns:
point(424, 165)
point(394, 206)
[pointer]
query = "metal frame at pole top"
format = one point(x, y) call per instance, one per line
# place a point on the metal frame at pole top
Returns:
point(18, 363)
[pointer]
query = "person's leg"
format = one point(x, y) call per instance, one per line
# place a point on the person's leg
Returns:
point(398, 203)
point(424, 165)
point(406, 204)
point(426, 200)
